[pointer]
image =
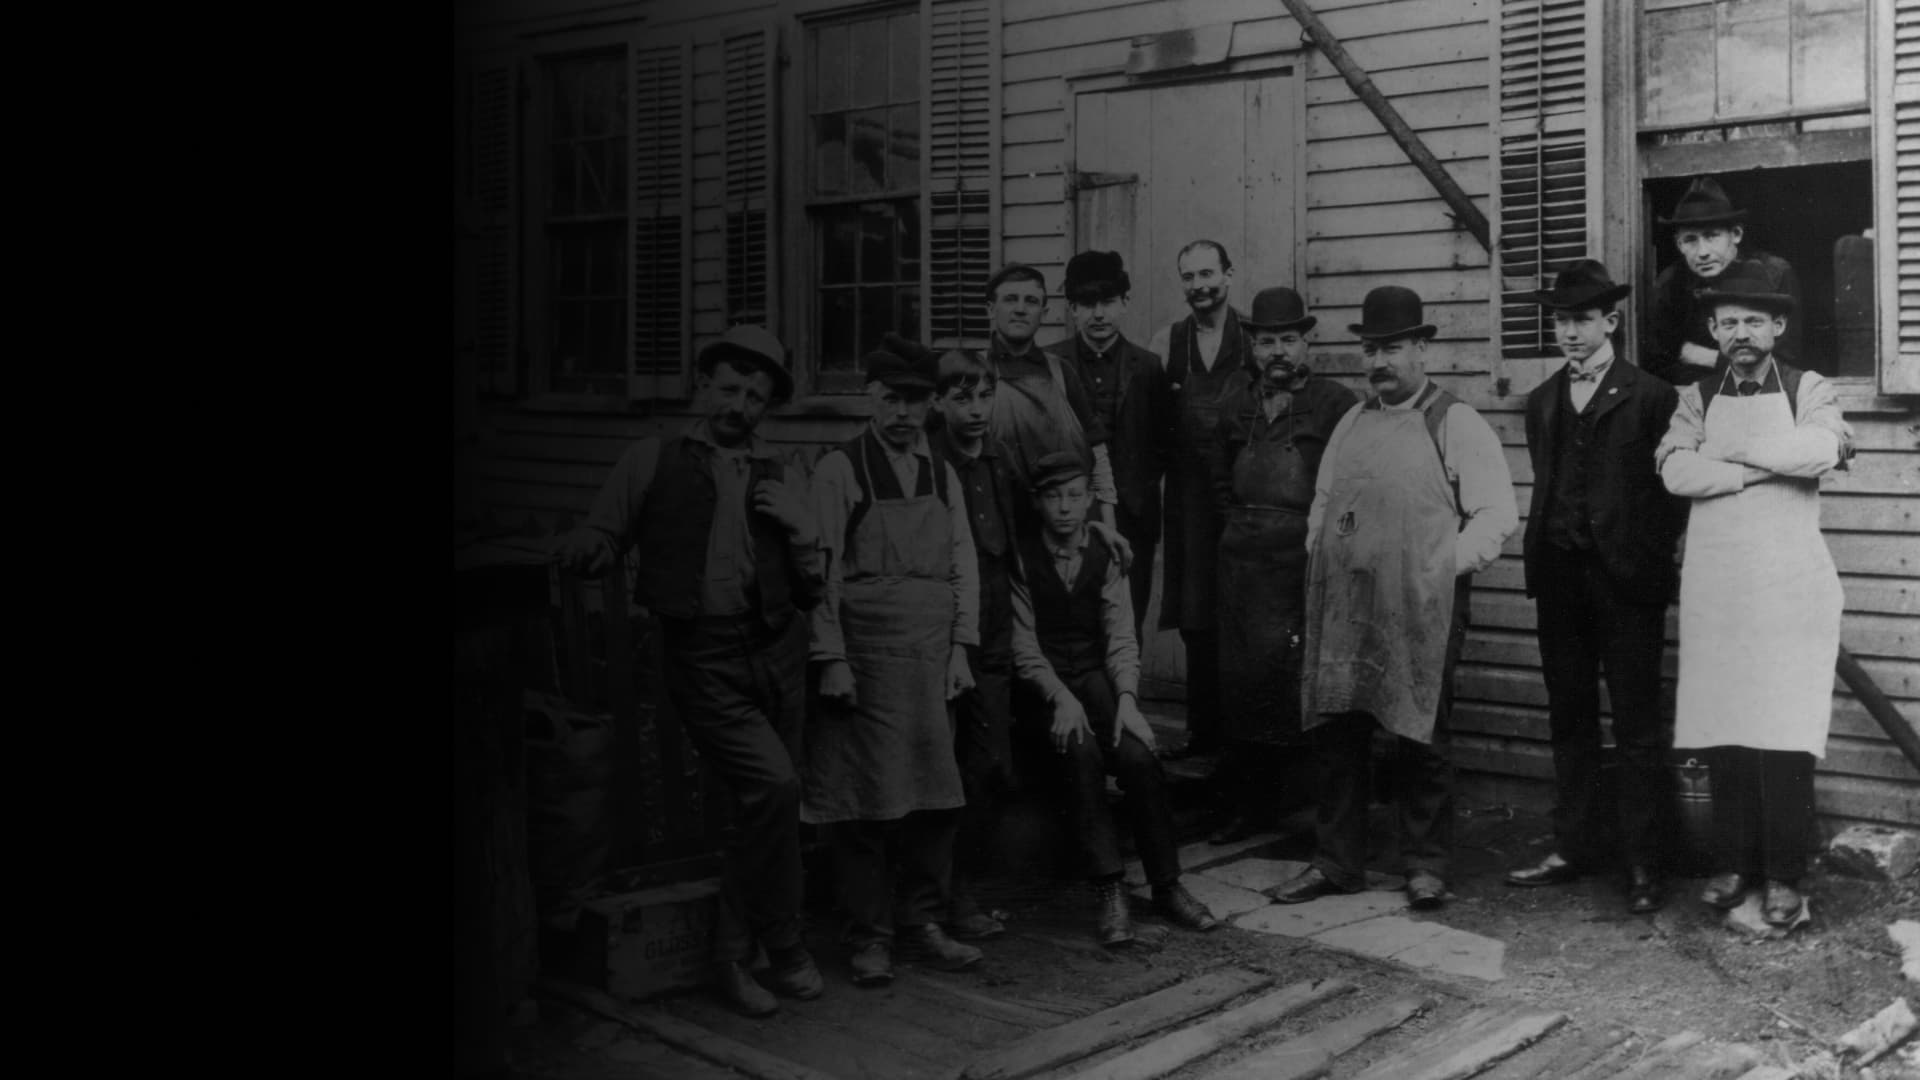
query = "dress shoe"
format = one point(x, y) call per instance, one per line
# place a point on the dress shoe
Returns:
point(1782, 904)
point(792, 973)
point(739, 990)
point(1645, 891)
point(1178, 906)
point(1237, 828)
point(1113, 925)
point(1725, 891)
point(872, 964)
point(931, 945)
point(967, 922)
point(1425, 890)
point(1552, 870)
point(1306, 885)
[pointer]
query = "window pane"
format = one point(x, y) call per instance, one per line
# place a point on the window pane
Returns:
point(907, 217)
point(569, 336)
point(877, 230)
point(876, 317)
point(605, 268)
point(907, 308)
point(867, 139)
point(905, 56)
point(560, 180)
point(868, 51)
point(830, 154)
point(601, 190)
point(830, 68)
point(838, 350)
point(606, 336)
point(903, 147)
point(839, 246)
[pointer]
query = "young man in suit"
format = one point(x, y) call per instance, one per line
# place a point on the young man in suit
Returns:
point(1599, 565)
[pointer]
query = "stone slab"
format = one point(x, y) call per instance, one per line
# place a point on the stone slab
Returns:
point(1458, 952)
point(1381, 936)
point(1201, 855)
point(1257, 873)
point(1875, 851)
point(1906, 934)
point(1224, 900)
point(1318, 916)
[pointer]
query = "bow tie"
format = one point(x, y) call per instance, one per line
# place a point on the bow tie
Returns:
point(1584, 376)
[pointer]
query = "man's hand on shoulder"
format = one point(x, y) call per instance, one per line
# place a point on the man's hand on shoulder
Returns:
point(584, 551)
point(1698, 356)
point(1122, 549)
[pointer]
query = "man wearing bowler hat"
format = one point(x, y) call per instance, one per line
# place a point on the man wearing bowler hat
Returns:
point(1412, 497)
point(1267, 454)
point(1599, 565)
point(729, 558)
point(1709, 232)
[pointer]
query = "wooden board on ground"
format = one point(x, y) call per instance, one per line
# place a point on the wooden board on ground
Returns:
point(680, 1034)
point(1195, 1041)
point(1466, 1048)
point(1311, 1054)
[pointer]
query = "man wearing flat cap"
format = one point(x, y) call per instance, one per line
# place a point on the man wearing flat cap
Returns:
point(1267, 453)
point(729, 557)
point(1760, 600)
point(890, 636)
point(1709, 232)
point(1599, 565)
point(1130, 403)
point(1412, 498)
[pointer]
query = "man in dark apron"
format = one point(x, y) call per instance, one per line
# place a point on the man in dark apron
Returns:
point(728, 556)
point(890, 638)
point(1269, 443)
point(1412, 498)
point(1208, 360)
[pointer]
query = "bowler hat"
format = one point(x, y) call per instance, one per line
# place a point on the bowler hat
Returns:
point(1093, 276)
point(1012, 271)
point(1704, 204)
point(1391, 311)
point(900, 364)
point(1581, 285)
point(1057, 468)
point(1279, 308)
point(753, 345)
point(1745, 282)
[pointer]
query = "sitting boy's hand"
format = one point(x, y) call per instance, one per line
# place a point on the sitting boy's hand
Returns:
point(1132, 720)
point(1069, 722)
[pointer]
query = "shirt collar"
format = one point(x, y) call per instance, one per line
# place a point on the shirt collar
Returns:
point(1072, 547)
point(1597, 363)
point(918, 449)
point(1000, 348)
point(1087, 349)
point(756, 447)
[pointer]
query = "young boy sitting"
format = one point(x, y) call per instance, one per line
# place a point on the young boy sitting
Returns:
point(1073, 644)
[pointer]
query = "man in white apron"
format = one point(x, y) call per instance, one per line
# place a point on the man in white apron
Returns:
point(1760, 600)
point(1412, 497)
point(890, 635)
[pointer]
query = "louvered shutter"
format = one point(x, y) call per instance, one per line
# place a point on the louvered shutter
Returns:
point(1544, 127)
point(493, 141)
point(963, 166)
point(749, 75)
point(661, 148)
point(1897, 142)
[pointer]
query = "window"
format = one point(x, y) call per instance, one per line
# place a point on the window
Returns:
point(863, 186)
point(585, 223)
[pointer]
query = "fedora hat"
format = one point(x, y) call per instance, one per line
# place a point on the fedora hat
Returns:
point(1704, 204)
point(1093, 276)
point(1279, 308)
point(1745, 282)
point(1057, 468)
point(756, 346)
point(1581, 285)
point(1391, 311)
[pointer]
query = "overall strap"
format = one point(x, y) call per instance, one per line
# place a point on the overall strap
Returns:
point(1434, 405)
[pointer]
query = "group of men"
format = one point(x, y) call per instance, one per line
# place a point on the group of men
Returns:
point(870, 647)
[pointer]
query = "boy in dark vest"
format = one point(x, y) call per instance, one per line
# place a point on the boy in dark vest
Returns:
point(728, 555)
point(1073, 644)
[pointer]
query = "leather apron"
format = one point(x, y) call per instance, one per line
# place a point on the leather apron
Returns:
point(1760, 602)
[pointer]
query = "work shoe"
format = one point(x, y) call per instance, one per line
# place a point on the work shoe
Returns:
point(967, 922)
point(1725, 891)
point(1552, 870)
point(1113, 923)
point(791, 972)
point(931, 944)
point(1425, 890)
point(872, 964)
point(1177, 905)
point(738, 989)
point(1308, 884)
point(1782, 904)
point(1238, 827)
point(1646, 893)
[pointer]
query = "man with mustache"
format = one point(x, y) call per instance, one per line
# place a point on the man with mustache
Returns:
point(890, 638)
point(1207, 360)
point(728, 557)
point(1412, 498)
point(1708, 231)
point(1760, 601)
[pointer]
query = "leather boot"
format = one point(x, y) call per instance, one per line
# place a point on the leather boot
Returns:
point(1113, 925)
point(738, 989)
point(931, 945)
point(1178, 906)
point(792, 972)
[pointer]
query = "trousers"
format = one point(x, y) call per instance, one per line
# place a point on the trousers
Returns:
point(893, 874)
point(1762, 811)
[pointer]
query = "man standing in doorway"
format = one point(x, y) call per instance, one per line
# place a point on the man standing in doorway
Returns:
point(1760, 600)
point(1207, 360)
point(1412, 498)
point(1709, 232)
point(1599, 565)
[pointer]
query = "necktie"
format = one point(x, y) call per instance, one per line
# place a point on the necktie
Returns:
point(1748, 387)
point(1583, 376)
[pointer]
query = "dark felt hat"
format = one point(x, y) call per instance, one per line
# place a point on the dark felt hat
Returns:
point(1279, 308)
point(1093, 276)
point(1391, 311)
point(1012, 271)
point(901, 364)
point(756, 346)
point(1057, 468)
point(1745, 282)
point(1579, 286)
point(1704, 204)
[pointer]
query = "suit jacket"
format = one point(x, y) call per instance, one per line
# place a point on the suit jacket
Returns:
point(1635, 521)
point(1137, 424)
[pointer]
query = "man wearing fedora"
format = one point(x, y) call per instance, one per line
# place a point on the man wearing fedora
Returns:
point(1709, 232)
point(729, 556)
point(1599, 564)
point(1412, 498)
point(1130, 404)
point(1267, 453)
point(890, 637)
point(1760, 601)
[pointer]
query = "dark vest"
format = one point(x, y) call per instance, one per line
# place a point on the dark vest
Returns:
point(1569, 520)
point(1068, 621)
point(673, 539)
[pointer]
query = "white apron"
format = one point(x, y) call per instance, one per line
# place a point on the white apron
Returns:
point(1760, 602)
